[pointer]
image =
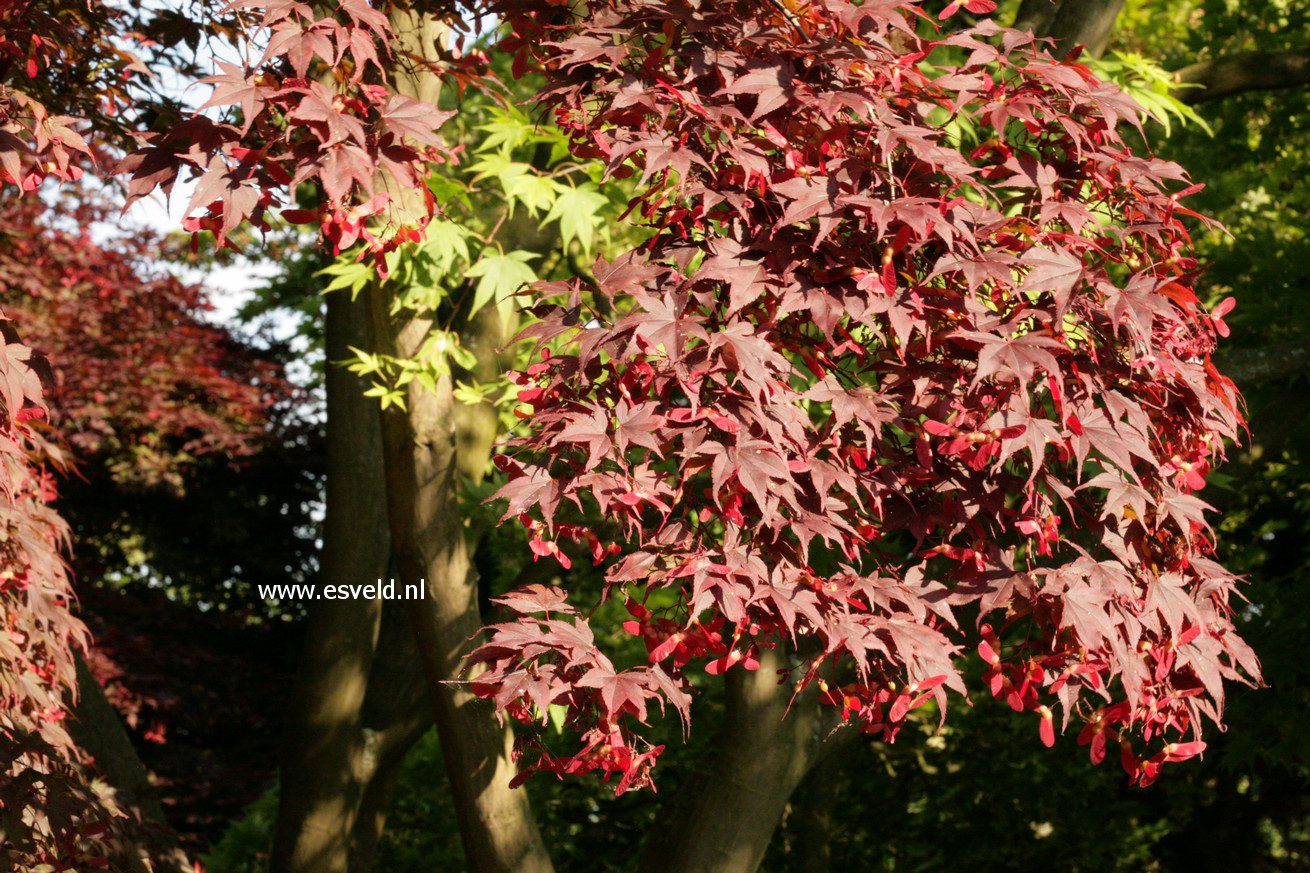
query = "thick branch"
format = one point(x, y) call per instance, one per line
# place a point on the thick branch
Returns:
point(1071, 23)
point(1239, 74)
point(723, 818)
point(1251, 367)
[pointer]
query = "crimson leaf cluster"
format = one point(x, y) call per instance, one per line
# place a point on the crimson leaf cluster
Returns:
point(913, 364)
point(314, 106)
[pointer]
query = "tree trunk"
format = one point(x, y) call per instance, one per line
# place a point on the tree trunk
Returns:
point(358, 765)
point(1071, 23)
point(814, 816)
point(724, 817)
point(397, 710)
point(427, 533)
point(320, 782)
point(388, 750)
point(97, 730)
point(1036, 15)
point(1251, 367)
point(396, 714)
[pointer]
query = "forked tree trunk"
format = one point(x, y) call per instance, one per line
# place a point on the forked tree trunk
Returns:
point(427, 532)
point(359, 772)
point(724, 816)
point(397, 709)
point(323, 743)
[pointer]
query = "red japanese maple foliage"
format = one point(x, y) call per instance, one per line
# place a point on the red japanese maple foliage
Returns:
point(141, 383)
point(39, 787)
point(62, 64)
point(56, 817)
point(913, 364)
point(311, 100)
point(345, 131)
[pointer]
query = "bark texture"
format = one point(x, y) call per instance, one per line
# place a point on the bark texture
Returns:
point(1035, 15)
point(1251, 367)
point(97, 729)
point(422, 465)
point(396, 714)
point(814, 816)
point(427, 534)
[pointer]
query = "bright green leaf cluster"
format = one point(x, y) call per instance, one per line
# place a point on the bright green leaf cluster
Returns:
point(521, 209)
point(1149, 84)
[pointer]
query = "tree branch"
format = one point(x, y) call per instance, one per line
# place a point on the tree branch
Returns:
point(1071, 23)
point(1251, 367)
point(1239, 74)
point(1084, 22)
point(1035, 15)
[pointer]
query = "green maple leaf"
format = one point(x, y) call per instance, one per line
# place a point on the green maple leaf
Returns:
point(500, 275)
point(532, 190)
point(520, 182)
point(507, 132)
point(501, 166)
point(446, 243)
point(578, 212)
point(347, 273)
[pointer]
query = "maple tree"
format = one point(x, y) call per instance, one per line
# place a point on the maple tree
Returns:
point(656, 630)
point(915, 337)
point(62, 68)
point(344, 135)
point(137, 392)
point(53, 816)
point(910, 366)
point(314, 102)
